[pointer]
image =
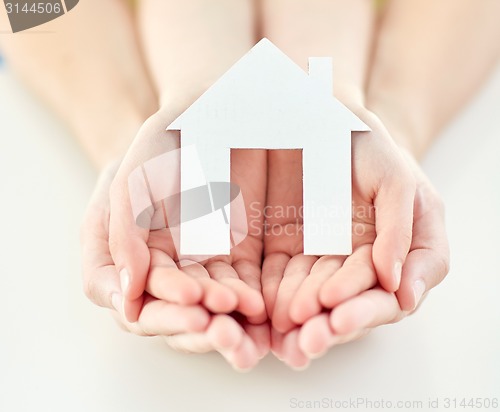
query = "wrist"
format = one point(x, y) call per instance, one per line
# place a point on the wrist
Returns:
point(407, 124)
point(107, 137)
point(177, 100)
point(352, 96)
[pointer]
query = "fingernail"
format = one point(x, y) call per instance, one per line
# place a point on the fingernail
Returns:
point(117, 302)
point(299, 368)
point(124, 280)
point(315, 355)
point(242, 370)
point(398, 267)
point(277, 355)
point(418, 291)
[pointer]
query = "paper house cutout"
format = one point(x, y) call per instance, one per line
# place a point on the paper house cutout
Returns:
point(155, 199)
point(266, 101)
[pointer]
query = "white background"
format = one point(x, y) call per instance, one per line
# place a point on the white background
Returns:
point(60, 353)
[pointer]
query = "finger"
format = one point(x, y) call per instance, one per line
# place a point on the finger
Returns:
point(393, 222)
point(356, 275)
point(277, 343)
point(316, 336)
point(172, 285)
point(128, 247)
point(291, 352)
point(428, 261)
point(165, 281)
point(250, 273)
point(261, 336)
point(134, 186)
point(230, 340)
point(272, 272)
point(249, 300)
point(423, 270)
point(350, 337)
point(305, 303)
point(160, 318)
point(217, 298)
point(189, 343)
point(244, 357)
point(101, 284)
point(295, 272)
point(372, 308)
point(222, 333)
point(100, 278)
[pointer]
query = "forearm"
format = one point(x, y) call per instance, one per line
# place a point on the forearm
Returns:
point(190, 44)
point(87, 65)
point(430, 58)
point(341, 29)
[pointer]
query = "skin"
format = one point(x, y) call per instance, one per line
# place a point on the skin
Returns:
point(227, 283)
point(313, 303)
point(179, 313)
point(85, 75)
point(452, 40)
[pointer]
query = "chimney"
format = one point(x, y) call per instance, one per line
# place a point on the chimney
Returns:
point(321, 70)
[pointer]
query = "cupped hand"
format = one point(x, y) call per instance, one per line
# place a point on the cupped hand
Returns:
point(101, 280)
point(227, 283)
point(400, 250)
point(313, 302)
point(194, 305)
point(225, 287)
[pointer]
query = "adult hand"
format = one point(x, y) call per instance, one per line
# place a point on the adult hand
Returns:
point(186, 327)
point(227, 283)
point(223, 284)
point(101, 281)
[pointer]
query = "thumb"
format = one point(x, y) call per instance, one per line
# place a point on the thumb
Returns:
point(132, 210)
point(429, 259)
point(423, 270)
point(129, 249)
point(393, 222)
point(100, 279)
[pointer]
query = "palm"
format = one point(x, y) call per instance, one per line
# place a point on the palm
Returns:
point(298, 288)
point(284, 240)
point(230, 283)
point(223, 284)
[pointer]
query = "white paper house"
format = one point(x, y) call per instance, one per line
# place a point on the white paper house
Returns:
point(266, 101)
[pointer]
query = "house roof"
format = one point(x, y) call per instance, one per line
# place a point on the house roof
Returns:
point(266, 94)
